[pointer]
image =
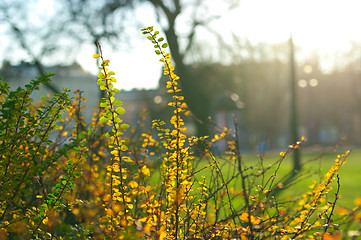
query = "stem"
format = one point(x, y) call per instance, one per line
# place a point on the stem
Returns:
point(333, 204)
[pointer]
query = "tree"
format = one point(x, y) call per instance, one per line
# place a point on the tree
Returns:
point(69, 24)
point(36, 40)
point(95, 21)
point(167, 14)
point(294, 109)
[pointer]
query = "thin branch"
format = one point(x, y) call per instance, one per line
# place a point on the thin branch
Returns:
point(333, 204)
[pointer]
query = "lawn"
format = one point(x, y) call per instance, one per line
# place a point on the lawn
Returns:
point(315, 164)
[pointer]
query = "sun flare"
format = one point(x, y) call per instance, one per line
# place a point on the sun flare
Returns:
point(324, 25)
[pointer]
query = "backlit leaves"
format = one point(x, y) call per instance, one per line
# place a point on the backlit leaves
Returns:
point(120, 110)
point(149, 186)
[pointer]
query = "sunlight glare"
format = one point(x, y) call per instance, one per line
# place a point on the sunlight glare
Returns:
point(322, 24)
point(307, 69)
point(313, 82)
point(302, 83)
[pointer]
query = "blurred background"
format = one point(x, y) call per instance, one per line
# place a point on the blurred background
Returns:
point(236, 59)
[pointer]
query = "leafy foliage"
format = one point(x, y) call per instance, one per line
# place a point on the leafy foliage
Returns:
point(62, 178)
point(31, 154)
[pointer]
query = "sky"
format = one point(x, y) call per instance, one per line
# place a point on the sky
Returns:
point(135, 67)
point(327, 26)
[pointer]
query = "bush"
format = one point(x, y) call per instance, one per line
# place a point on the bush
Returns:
point(64, 179)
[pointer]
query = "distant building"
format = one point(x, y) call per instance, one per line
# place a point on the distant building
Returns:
point(72, 77)
point(254, 94)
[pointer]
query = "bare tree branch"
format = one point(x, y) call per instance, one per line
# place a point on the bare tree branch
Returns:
point(19, 35)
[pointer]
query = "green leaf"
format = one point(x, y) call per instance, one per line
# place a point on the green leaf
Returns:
point(149, 37)
point(116, 120)
point(51, 196)
point(103, 119)
point(120, 110)
point(160, 39)
point(100, 75)
point(104, 104)
point(109, 134)
point(157, 52)
point(101, 82)
point(124, 126)
point(165, 45)
point(124, 148)
point(118, 103)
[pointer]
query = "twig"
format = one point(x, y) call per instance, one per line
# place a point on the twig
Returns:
point(333, 204)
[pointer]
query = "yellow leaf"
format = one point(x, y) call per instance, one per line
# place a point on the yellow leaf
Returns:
point(244, 217)
point(110, 212)
point(45, 220)
point(329, 236)
point(75, 211)
point(342, 211)
point(127, 159)
point(357, 216)
point(124, 148)
point(143, 219)
point(117, 207)
point(162, 233)
point(96, 55)
point(145, 171)
point(357, 201)
point(133, 184)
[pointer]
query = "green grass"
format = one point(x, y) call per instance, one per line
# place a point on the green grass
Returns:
point(316, 164)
